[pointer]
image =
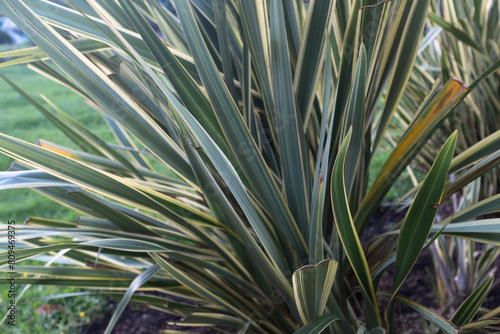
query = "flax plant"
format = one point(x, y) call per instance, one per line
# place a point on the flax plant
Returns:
point(463, 41)
point(267, 116)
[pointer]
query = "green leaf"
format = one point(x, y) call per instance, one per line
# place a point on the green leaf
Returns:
point(170, 241)
point(30, 179)
point(189, 92)
point(198, 288)
point(435, 318)
point(348, 234)
point(254, 19)
point(404, 58)
point(34, 54)
point(198, 319)
point(468, 309)
point(111, 166)
point(98, 86)
point(317, 326)
point(437, 105)
point(118, 218)
point(293, 16)
point(355, 119)
point(477, 151)
point(37, 221)
point(481, 167)
point(148, 300)
point(290, 135)
point(321, 176)
point(484, 231)
point(364, 330)
point(224, 44)
point(486, 206)
point(418, 221)
point(456, 32)
point(224, 168)
point(492, 69)
point(75, 136)
point(429, 38)
point(75, 272)
point(312, 54)
point(228, 210)
point(129, 245)
point(99, 284)
point(92, 27)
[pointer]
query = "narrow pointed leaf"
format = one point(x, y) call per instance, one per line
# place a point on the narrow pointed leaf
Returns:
point(484, 231)
point(347, 230)
point(456, 32)
point(355, 118)
point(407, 50)
point(197, 288)
point(290, 135)
point(442, 323)
point(237, 134)
point(418, 221)
point(468, 309)
point(312, 54)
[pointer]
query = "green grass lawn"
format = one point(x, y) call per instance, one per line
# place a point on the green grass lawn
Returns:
point(69, 315)
point(20, 119)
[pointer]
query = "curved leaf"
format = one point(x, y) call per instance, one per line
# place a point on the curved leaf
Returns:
point(347, 230)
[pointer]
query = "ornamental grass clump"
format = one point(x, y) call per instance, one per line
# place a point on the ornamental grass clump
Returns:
point(240, 182)
point(463, 41)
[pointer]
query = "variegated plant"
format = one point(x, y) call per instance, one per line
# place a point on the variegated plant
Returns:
point(267, 116)
point(463, 41)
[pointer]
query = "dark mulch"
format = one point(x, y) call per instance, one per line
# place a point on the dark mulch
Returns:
point(141, 320)
point(133, 320)
point(417, 287)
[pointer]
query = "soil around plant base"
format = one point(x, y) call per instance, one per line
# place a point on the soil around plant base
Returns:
point(141, 320)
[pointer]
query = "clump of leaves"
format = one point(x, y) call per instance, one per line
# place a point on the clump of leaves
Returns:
point(463, 42)
point(267, 117)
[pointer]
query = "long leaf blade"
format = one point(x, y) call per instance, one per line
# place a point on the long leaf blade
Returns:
point(418, 221)
point(347, 230)
point(290, 134)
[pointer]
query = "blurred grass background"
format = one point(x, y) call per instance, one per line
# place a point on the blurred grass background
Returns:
point(20, 119)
